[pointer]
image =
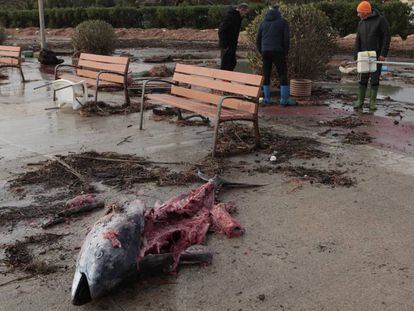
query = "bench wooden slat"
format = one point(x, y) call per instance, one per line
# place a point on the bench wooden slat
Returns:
point(10, 48)
point(9, 53)
point(90, 66)
point(104, 77)
point(105, 59)
point(102, 66)
point(200, 108)
point(89, 82)
point(9, 61)
point(239, 89)
point(239, 77)
point(236, 104)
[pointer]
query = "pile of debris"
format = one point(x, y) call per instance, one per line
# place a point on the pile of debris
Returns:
point(20, 255)
point(103, 109)
point(330, 177)
point(172, 115)
point(238, 138)
point(161, 71)
point(347, 122)
point(358, 138)
point(112, 169)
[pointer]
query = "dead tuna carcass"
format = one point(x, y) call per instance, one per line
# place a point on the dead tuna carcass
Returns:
point(129, 241)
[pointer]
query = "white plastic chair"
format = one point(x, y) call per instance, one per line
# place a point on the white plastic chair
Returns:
point(67, 92)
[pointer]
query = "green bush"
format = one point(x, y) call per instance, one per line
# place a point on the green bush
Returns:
point(3, 35)
point(203, 16)
point(400, 17)
point(94, 36)
point(342, 15)
point(312, 41)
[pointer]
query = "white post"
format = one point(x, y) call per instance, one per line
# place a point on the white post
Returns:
point(42, 25)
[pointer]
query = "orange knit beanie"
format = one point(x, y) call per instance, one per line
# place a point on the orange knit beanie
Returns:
point(364, 7)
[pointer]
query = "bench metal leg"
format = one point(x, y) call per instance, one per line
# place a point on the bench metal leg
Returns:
point(22, 75)
point(256, 131)
point(216, 130)
point(127, 99)
point(96, 96)
point(141, 120)
point(179, 114)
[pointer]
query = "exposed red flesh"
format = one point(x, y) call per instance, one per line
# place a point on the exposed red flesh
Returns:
point(113, 237)
point(81, 200)
point(187, 205)
point(81, 204)
point(184, 221)
point(223, 222)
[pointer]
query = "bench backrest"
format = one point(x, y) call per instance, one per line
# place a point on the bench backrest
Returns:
point(91, 64)
point(236, 83)
point(10, 55)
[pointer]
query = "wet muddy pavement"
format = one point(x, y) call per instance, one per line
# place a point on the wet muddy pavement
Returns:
point(331, 230)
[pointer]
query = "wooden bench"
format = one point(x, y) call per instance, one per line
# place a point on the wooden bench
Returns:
point(11, 56)
point(98, 72)
point(193, 89)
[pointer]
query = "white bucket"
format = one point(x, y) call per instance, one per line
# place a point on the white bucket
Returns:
point(366, 62)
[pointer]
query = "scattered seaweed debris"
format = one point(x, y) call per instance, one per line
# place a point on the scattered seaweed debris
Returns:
point(331, 178)
point(112, 169)
point(19, 255)
point(171, 115)
point(238, 139)
point(209, 166)
point(13, 214)
point(357, 138)
point(160, 71)
point(104, 109)
point(167, 111)
point(347, 122)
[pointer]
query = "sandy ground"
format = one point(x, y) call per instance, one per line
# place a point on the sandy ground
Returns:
point(206, 38)
point(307, 246)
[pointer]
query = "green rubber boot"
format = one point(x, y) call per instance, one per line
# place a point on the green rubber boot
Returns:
point(373, 98)
point(361, 97)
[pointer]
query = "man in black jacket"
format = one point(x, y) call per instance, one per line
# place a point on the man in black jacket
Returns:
point(273, 42)
point(229, 31)
point(373, 35)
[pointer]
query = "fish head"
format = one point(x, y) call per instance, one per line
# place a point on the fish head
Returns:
point(108, 254)
point(95, 273)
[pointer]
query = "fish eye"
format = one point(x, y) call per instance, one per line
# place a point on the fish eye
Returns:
point(99, 253)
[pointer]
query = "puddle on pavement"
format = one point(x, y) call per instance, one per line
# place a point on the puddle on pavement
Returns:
point(397, 91)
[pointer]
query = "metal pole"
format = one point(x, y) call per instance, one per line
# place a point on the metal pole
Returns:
point(383, 62)
point(42, 25)
point(394, 63)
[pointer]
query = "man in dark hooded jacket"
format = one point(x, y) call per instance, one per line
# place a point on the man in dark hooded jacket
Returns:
point(273, 42)
point(373, 35)
point(229, 31)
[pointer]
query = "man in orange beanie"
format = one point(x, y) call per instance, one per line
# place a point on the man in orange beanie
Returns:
point(373, 35)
